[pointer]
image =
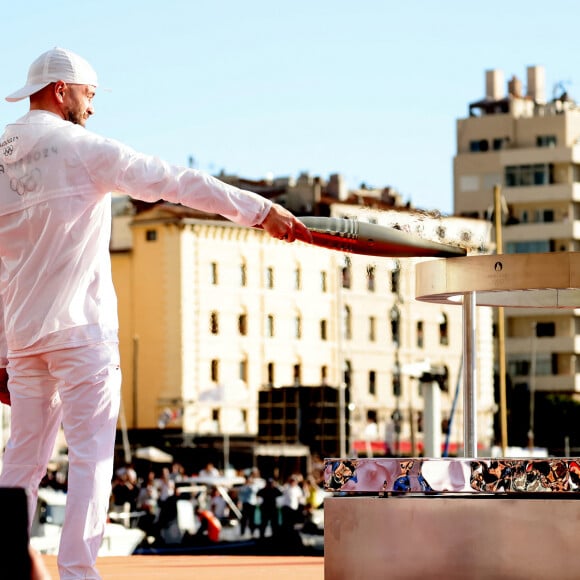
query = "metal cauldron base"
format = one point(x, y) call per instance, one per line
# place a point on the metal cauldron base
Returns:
point(454, 537)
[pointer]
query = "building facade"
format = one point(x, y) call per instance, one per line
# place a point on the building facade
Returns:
point(529, 146)
point(212, 313)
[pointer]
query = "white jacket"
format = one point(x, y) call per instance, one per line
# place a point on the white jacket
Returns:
point(55, 221)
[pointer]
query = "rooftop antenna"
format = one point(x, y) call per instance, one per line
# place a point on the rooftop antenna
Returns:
point(560, 90)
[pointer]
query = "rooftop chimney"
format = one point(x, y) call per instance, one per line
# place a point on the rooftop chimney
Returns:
point(494, 84)
point(537, 83)
point(515, 87)
point(337, 187)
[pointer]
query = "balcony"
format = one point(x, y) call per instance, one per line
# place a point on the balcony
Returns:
point(557, 383)
point(565, 383)
point(522, 232)
point(544, 345)
point(553, 192)
point(528, 155)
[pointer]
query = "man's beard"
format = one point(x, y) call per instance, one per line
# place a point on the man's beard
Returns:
point(76, 118)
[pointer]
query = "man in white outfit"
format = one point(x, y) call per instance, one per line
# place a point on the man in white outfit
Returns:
point(59, 319)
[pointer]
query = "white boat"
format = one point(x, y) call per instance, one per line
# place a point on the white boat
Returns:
point(118, 540)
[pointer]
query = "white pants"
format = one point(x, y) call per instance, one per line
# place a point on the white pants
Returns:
point(79, 387)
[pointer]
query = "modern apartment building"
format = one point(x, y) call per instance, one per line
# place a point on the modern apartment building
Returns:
point(528, 144)
point(212, 313)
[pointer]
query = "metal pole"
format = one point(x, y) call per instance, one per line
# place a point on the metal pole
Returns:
point(226, 453)
point(342, 419)
point(342, 368)
point(469, 395)
point(432, 419)
point(124, 434)
point(531, 435)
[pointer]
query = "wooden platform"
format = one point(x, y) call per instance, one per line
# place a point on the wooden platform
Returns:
point(205, 567)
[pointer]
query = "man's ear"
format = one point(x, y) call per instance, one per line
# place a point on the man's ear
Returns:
point(59, 90)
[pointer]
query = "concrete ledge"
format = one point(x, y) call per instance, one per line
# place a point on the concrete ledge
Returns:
point(452, 537)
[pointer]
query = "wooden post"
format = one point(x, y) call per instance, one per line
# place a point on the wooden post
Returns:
point(500, 327)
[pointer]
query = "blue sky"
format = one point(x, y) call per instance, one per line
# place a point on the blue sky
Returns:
point(370, 89)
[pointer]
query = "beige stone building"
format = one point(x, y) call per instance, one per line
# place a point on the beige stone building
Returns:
point(212, 313)
point(529, 145)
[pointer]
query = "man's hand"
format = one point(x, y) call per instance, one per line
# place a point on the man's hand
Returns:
point(38, 569)
point(283, 225)
point(4, 392)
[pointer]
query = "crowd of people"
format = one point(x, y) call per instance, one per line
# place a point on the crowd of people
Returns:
point(261, 507)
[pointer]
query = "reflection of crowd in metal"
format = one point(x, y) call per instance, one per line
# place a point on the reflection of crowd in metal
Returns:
point(264, 506)
point(537, 475)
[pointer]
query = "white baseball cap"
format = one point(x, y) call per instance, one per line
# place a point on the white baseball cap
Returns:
point(54, 65)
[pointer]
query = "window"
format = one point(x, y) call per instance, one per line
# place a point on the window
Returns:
point(479, 146)
point(420, 422)
point(544, 215)
point(420, 335)
point(395, 278)
point(270, 277)
point(214, 326)
point(372, 383)
point(213, 273)
point(297, 279)
point(243, 275)
point(271, 374)
point(545, 329)
point(244, 370)
point(270, 326)
point(531, 247)
point(215, 370)
point(151, 235)
point(298, 326)
point(546, 140)
point(444, 380)
point(297, 375)
point(396, 383)
point(346, 275)
point(347, 323)
point(323, 374)
point(545, 364)
point(243, 324)
point(323, 282)
point(323, 330)
point(500, 143)
point(372, 329)
point(529, 175)
point(395, 325)
point(347, 377)
point(443, 329)
point(519, 367)
point(371, 278)
point(468, 183)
